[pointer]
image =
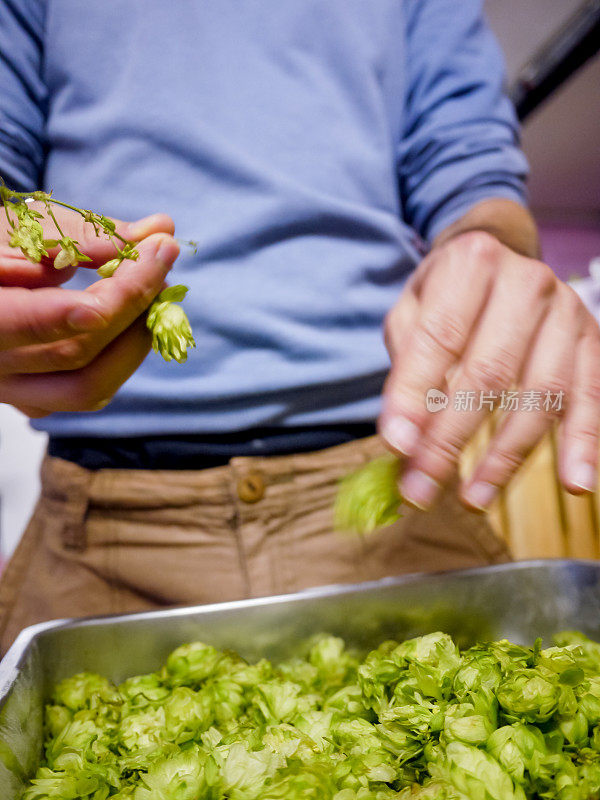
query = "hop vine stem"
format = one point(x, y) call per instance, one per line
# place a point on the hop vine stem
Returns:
point(168, 323)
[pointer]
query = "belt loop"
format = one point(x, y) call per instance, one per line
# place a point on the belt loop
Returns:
point(73, 532)
point(68, 484)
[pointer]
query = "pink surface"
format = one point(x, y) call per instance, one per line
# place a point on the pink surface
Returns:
point(568, 249)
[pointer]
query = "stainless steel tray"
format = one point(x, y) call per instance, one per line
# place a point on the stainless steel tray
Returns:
point(518, 601)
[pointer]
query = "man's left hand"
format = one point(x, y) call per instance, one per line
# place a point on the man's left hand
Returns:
point(478, 317)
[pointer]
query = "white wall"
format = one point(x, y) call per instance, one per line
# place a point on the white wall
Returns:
point(21, 451)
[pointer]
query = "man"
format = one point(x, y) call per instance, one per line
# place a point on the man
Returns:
point(310, 148)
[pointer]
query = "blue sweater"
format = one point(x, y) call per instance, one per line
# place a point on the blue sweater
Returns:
point(307, 145)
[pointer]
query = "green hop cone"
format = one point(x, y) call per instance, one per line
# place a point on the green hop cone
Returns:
point(186, 714)
point(27, 234)
point(48, 784)
point(462, 725)
point(143, 729)
point(369, 498)
point(82, 738)
point(57, 718)
point(66, 257)
point(477, 672)
point(574, 728)
point(278, 701)
point(475, 774)
point(108, 270)
point(169, 325)
point(30, 239)
point(192, 664)
point(178, 777)
point(143, 690)
point(244, 773)
point(519, 749)
point(589, 699)
point(586, 652)
point(531, 695)
point(317, 726)
point(433, 791)
point(329, 656)
point(69, 254)
point(84, 690)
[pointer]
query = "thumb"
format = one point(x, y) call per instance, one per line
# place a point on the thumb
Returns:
point(146, 226)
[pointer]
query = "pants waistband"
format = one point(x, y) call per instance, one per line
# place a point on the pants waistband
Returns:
point(192, 452)
point(244, 479)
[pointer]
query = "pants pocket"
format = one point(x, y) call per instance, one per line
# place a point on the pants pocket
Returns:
point(166, 563)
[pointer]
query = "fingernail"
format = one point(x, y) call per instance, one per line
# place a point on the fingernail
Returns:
point(401, 434)
point(480, 494)
point(168, 251)
point(583, 476)
point(86, 317)
point(419, 489)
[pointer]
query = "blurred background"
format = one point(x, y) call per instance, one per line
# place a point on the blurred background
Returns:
point(561, 141)
point(560, 138)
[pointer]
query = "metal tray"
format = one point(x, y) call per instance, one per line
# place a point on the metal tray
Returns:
point(517, 601)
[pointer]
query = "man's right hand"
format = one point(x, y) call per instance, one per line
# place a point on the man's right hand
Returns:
point(68, 350)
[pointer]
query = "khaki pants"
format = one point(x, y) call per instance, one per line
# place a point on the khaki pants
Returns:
point(114, 541)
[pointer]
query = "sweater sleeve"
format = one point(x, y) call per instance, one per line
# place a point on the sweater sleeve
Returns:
point(22, 93)
point(460, 143)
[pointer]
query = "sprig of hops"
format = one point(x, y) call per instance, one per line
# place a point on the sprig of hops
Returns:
point(170, 327)
point(369, 497)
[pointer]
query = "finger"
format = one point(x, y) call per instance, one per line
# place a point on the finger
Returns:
point(492, 364)
point(400, 321)
point(65, 354)
point(86, 389)
point(578, 436)
point(45, 315)
point(547, 380)
point(99, 248)
point(16, 270)
point(116, 303)
point(451, 301)
point(135, 284)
